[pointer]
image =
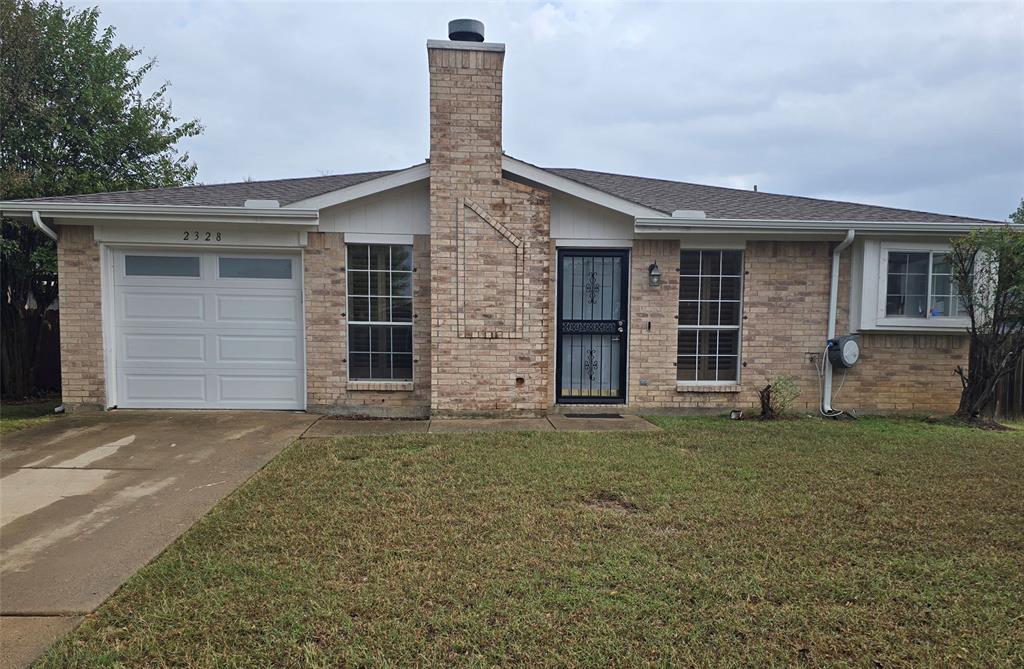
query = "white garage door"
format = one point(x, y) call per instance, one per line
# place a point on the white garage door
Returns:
point(213, 330)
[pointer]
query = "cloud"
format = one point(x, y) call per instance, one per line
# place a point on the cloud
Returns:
point(918, 105)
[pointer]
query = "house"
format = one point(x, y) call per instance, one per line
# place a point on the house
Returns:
point(479, 283)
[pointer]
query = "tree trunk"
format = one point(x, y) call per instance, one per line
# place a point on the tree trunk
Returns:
point(767, 409)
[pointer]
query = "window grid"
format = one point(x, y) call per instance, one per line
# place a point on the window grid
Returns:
point(919, 290)
point(710, 310)
point(379, 318)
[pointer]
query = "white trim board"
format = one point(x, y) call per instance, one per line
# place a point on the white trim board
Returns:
point(676, 226)
point(594, 243)
point(371, 187)
point(161, 213)
point(369, 238)
point(574, 188)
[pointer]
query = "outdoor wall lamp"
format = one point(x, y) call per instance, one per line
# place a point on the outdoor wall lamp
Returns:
point(654, 273)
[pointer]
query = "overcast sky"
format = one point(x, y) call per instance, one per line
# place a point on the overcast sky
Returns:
point(917, 105)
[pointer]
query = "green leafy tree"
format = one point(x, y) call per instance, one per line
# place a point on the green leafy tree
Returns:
point(73, 119)
point(988, 267)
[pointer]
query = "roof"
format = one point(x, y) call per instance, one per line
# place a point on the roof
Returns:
point(284, 191)
point(659, 194)
point(718, 202)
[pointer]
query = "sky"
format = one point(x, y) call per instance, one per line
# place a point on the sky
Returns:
point(917, 105)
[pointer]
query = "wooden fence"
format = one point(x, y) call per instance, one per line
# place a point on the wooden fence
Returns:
point(1010, 395)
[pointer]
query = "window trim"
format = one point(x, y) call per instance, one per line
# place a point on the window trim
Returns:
point(685, 384)
point(929, 322)
point(389, 323)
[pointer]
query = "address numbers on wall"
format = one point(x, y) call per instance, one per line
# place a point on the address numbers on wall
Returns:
point(200, 235)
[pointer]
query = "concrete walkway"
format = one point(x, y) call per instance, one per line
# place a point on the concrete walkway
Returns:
point(86, 500)
point(343, 427)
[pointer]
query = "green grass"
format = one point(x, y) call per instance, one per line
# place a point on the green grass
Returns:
point(802, 542)
point(15, 416)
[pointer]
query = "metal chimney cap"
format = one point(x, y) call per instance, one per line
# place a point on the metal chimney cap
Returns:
point(466, 30)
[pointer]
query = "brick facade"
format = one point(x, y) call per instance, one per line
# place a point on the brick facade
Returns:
point(81, 328)
point(483, 298)
point(490, 249)
point(786, 292)
point(328, 389)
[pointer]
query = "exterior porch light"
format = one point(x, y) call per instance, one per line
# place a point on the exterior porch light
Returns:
point(654, 273)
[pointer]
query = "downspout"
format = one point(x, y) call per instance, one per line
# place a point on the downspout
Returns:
point(42, 226)
point(37, 219)
point(833, 301)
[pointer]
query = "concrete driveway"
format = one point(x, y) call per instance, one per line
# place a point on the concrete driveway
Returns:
point(86, 500)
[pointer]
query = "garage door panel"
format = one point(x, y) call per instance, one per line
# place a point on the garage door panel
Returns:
point(157, 348)
point(258, 349)
point(256, 309)
point(252, 390)
point(140, 306)
point(165, 389)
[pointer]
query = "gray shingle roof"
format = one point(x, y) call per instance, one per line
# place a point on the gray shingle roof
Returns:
point(660, 194)
point(718, 202)
point(284, 191)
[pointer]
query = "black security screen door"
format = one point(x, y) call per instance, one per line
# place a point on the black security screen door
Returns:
point(592, 309)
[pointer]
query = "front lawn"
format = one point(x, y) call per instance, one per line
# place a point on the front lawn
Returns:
point(872, 543)
point(18, 415)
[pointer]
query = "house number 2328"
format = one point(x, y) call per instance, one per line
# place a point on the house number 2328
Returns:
point(196, 236)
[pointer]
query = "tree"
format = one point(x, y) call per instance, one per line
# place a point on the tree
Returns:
point(988, 268)
point(73, 119)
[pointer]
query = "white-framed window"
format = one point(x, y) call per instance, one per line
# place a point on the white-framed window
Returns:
point(919, 284)
point(710, 313)
point(379, 286)
point(903, 285)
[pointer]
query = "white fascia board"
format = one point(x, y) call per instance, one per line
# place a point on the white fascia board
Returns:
point(378, 238)
point(668, 226)
point(576, 189)
point(371, 187)
point(71, 212)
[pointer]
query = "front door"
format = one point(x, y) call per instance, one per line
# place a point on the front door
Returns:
point(593, 289)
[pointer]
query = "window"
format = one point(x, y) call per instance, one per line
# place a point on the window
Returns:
point(379, 279)
point(187, 266)
point(710, 306)
point(919, 284)
point(255, 268)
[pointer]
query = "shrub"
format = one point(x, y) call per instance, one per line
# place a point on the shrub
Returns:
point(777, 396)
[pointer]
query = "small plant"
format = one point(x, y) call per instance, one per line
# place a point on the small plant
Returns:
point(777, 396)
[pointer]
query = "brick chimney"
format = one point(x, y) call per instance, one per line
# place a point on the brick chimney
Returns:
point(489, 247)
point(465, 105)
